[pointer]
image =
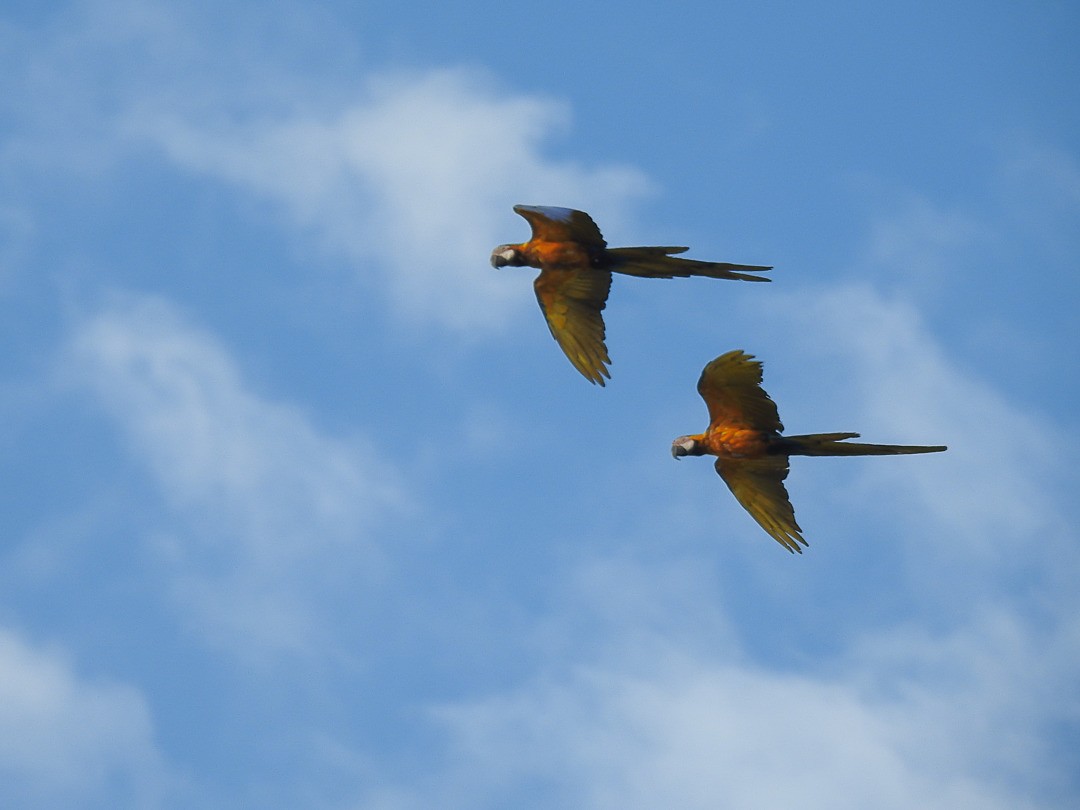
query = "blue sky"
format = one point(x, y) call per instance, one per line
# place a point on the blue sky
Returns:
point(303, 507)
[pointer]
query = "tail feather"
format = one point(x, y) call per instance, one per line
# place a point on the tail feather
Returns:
point(834, 444)
point(657, 262)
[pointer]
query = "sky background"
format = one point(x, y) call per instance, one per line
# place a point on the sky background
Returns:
point(303, 507)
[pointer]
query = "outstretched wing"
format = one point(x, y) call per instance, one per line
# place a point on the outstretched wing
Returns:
point(731, 388)
point(758, 484)
point(551, 224)
point(572, 301)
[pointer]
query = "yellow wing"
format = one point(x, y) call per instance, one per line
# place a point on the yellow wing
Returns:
point(551, 224)
point(758, 484)
point(572, 301)
point(731, 388)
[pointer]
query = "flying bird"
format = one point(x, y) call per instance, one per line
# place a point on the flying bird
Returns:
point(752, 456)
point(575, 277)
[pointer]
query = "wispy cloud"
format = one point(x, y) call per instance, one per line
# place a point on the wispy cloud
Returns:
point(407, 176)
point(413, 182)
point(68, 741)
point(698, 733)
point(964, 709)
point(998, 477)
point(899, 718)
point(902, 720)
point(648, 689)
point(268, 501)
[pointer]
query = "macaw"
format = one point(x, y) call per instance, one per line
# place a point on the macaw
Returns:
point(575, 277)
point(752, 456)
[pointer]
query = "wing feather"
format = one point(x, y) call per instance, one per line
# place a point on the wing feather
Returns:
point(731, 388)
point(551, 224)
point(572, 302)
point(758, 484)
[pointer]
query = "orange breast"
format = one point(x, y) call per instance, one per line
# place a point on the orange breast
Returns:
point(735, 442)
point(568, 255)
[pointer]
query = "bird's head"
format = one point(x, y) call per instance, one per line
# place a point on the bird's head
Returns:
point(505, 255)
point(687, 446)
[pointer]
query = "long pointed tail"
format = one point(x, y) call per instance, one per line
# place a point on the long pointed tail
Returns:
point(657, 262)
point(834, 444)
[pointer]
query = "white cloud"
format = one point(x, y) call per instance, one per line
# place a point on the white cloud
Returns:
point(270, 504)
point(70, 742)
point(954, 723)
point(991, 488)
point(413, 182)
point(407, 176)
point(964, 697)
point(636, 719)
point(273, 508)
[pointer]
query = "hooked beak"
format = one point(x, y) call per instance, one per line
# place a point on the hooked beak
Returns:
point(504, 255)
point(683, 446)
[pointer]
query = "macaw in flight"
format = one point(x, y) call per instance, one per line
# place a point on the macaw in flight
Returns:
point(752, 456)
point(575, 277)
